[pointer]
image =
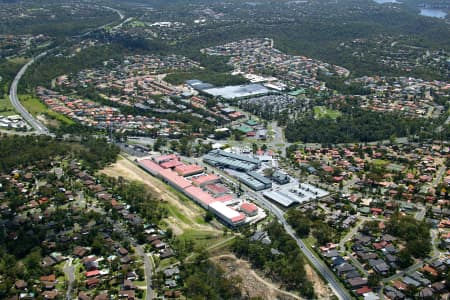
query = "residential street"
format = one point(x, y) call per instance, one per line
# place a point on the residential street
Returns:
point(69, 272)
point(148, 269)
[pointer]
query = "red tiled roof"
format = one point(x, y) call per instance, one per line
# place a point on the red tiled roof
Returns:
point(171, 164)
point(237, 219)
point(92, 273)
point(185, 170)
point(198, 181)
point(363, 290)
point(225, 198)
point(163, 158)
point(200, 195)
point(216, 189)
point(249, 207)
point(147, 163)
point(49, 278)
point(173, 178)
point(92, 281)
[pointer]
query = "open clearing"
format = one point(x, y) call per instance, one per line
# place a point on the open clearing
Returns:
point(186, 221)
point(185, 218)
point(322, 290)
point(256, 285)
point(6, 108)
point(252, 285)
point(321, 112)
point(36, 107)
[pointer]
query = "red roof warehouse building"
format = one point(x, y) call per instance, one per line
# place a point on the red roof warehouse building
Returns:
point(188, 170)
point(205, 179)
point(199, 187)
point(249, 209)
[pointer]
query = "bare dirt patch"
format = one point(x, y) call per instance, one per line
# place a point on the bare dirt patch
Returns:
point(322, 290)
point(253, 284)
point(190, 212)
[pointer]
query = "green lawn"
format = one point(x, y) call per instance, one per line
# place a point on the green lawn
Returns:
point(140, 283)
point(310, 241)
point(201, 239)
point(36, 107)
point(19, 60)
point(137, 24)
point(167, 262)
point(321, 112)
point(380, 162)
point(174, 212)
point(6, 108)
point(33, 105)
point(200, 220)
point(79, 276)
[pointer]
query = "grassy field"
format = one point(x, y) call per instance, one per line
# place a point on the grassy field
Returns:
point(19, 60)
point(321, 112)
point(310, 241)
point(6, 109)
point(36, 107)
point(380, 162)
point(137, 24)
point(174, 212)
point(201, 239)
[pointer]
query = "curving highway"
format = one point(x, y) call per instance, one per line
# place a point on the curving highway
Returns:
point(317, 263)
point(36, 124)
point(38, 127)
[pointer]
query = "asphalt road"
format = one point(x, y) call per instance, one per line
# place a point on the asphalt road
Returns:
point(36, 124)
point(439, 176)
point(148, 269)
point(69, 271)
point(121, 16)
point(148, 266)
point(278, 139)
point(318, 264)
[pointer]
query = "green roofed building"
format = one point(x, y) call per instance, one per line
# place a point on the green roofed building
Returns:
point(297, 92)
point(251, 122)
point(364, 210)
point(245, 129)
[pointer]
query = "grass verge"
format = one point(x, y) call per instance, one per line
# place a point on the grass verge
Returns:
point(36, 107)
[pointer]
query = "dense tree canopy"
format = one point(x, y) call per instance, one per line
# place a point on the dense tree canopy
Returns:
point(355, 125)
point(287, 266)
point(416, 234)
point(20, 151)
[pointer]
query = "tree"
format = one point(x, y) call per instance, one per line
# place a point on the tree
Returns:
point(269, 172)
point(169, 233)
point(160, 142)
point(404, 258)
point(303, 229)
point(208, 217)
point(254, 148)
point(323, 233)
point(373, 280)
point(238, 135)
